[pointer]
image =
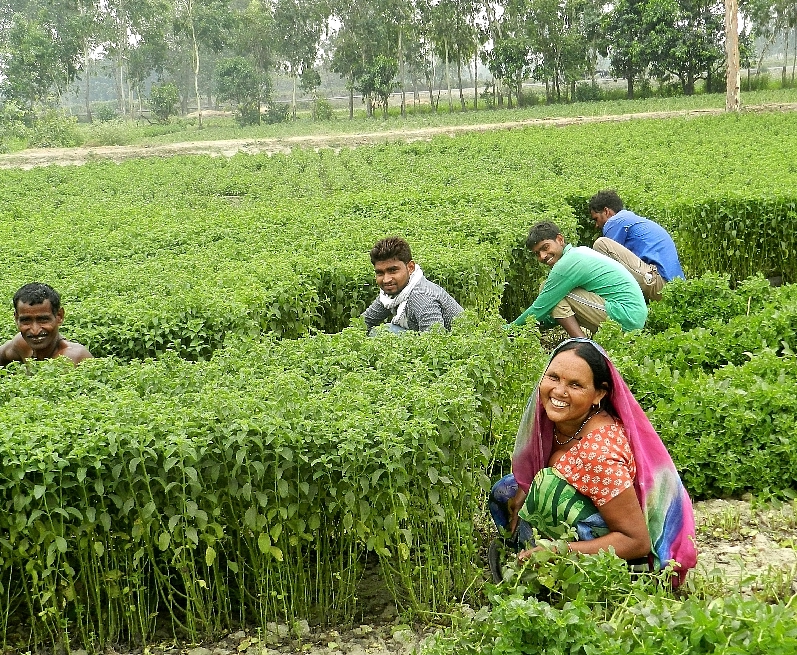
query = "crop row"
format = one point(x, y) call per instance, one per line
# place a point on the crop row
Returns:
point(192, 252)
point(245, 477)
point(254, 486)
point(249, 488)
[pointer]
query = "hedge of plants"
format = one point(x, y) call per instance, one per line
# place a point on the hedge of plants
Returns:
point(240, 450)
point(249, 488)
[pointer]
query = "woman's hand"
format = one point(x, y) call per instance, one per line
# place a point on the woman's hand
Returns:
point(523, 555)
point(514, 505)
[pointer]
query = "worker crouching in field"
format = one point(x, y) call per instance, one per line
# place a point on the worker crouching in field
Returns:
point(587, 458)
point(38, 315)
point(407, 300)
point(642, 246)
point(584, 287)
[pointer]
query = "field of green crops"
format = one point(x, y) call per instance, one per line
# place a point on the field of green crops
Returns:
point(240, 450)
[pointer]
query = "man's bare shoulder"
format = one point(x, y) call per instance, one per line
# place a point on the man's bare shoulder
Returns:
point(75, 351)
point(14, 350)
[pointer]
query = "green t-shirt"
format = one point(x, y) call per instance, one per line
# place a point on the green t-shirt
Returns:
point(583, 267)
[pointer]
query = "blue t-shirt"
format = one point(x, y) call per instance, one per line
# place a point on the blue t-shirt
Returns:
point(647, 240)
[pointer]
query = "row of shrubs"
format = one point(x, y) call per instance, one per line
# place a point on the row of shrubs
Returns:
point(201, 490)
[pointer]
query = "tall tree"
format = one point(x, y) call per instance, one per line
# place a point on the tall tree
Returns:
point(254, 39)
point(297, 27)
point(626, 36)
point(454, 33)
point(206, 24)
point(510, 61)
point(367, 30)
point(42, 50)
point(135, 36)
point(686, 40)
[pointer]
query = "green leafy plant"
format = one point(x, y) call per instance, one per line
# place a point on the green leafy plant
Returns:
point(55, 130)
point(163, 101)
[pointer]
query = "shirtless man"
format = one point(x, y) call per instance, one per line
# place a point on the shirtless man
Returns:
point(38, 315)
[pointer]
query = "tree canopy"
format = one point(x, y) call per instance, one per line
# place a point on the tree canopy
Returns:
point(375, 45)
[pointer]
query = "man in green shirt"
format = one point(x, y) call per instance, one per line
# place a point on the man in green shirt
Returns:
point(584, 287)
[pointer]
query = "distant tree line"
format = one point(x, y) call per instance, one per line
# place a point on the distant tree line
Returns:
point(231, 49)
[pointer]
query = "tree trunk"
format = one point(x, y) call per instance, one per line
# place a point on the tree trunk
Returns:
point(120, 87)
point(630, 88)
point(351, 96)
point(430, 81)
point(88, 88)
point(196, 76)
point(769, 42)
point(732, 81)
point(293, 96)
point(401, 72)
point(448, 82)
point(459, 81)
point(794, 56)
point(476, 78)
point(785, 62)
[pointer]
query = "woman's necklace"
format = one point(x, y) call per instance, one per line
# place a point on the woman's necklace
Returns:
point(581, 427)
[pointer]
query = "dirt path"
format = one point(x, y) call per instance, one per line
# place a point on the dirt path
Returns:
point(75, 156)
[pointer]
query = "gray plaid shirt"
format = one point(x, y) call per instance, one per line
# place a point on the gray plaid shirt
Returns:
point(427, 304)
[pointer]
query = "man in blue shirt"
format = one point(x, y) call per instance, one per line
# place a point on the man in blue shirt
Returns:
point(642, 246)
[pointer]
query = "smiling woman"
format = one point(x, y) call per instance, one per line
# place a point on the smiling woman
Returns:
point(587, 458)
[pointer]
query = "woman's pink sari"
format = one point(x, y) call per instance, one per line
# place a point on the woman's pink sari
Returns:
point(662, 496)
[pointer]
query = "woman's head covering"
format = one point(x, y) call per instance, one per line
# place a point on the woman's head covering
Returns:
point(662, 496)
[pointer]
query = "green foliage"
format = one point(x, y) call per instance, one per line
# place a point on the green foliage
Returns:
point(276, 112)
point(55, 130)
point(697, 302)
point(510, 60)
point(163, 101)
point(238, 81)
point(248, 113)
point(105, 112)
point(746, 234)
point(588, 92)
point(323, 110)
point(720, 396)
point(113, 133)
point(248, 488)
point(230, 479)
point(42, 49)
point(13, 130)
point(645, 619)
point(377, 79)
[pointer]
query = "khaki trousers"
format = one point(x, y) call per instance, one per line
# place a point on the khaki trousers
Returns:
point(588, 308)
point(646, 275)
